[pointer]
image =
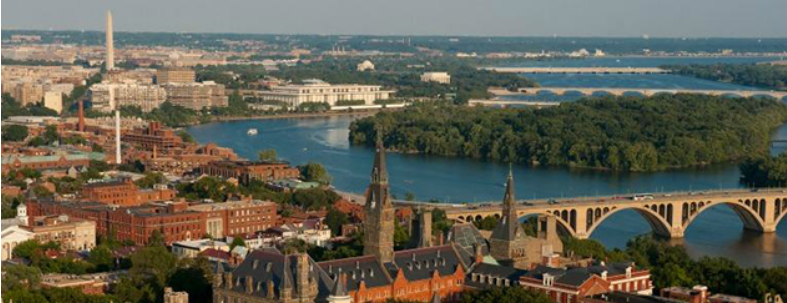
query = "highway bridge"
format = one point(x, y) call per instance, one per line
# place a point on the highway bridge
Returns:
point(588, 91)
point(578, 70)
point(669, 214)
point(506, 103)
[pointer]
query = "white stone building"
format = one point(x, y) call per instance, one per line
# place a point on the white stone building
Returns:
point(107, 97)
point(318, 91)
point(439, 77)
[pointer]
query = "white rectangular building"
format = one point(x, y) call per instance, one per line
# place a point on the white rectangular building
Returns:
point(439, 77)
point(107, 97)
point(318, 91)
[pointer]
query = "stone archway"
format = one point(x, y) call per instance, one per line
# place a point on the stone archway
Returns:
point(749, 217)
point(657, 223)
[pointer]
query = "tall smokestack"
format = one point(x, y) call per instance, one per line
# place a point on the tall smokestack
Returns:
point(117, 137)
point(110, 61)
point(81, 123)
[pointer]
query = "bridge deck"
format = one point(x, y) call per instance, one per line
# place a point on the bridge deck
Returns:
point(603, 200)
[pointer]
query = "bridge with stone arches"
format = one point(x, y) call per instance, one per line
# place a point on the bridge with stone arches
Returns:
point(669, 215)
point(589, 91)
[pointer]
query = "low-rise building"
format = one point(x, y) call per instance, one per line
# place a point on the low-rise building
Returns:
point(439, 77)
point(318, 91)
point(155, 136)
point(196, 95)
point(106, 97)
point(238, 217)
point(572, 285)
point(190, 249)
point(89, 284)
point(365, 65)
point(245, 171)
point(175, 75)
point(13, 234)
point(70, 233)
point(123, 192)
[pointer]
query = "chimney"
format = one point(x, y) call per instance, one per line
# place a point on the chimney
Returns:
point(117, 137)
point(249, 284)
point(228, 280)
point(479, 256)
point(81, 123)
point(110, 60)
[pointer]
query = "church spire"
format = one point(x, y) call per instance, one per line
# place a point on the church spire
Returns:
point(379, 171)
point(507, 227)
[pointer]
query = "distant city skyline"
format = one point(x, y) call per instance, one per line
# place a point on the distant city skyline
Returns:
point(575, 18)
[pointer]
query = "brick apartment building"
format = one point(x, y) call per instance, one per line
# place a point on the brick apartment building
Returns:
point(124, 192)
point(245, 171)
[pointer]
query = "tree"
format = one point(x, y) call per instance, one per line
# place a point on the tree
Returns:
point(14, 132)
point(186, 137)
point(315, 172)
point(27, 249)
point(151, 179)
point(237, 241)
point(504, 295)
point(20, 277)
point(294, 245)
point(268, 155)
point(335, 219)
point(101, 257)
point(156, 239)
point(153, 264)
point(194, 276)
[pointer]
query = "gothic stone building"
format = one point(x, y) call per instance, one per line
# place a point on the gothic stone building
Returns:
point(509, 244)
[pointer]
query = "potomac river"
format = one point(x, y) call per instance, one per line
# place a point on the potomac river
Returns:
point(717, 232)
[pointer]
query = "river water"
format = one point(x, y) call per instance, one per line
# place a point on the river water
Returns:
point(717, 232)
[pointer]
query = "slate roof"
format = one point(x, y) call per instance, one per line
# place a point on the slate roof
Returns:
point(467, 236)
point(420, 263)
point(578, 276)
point(271, 265)
point(364, 268)
point(493, 270)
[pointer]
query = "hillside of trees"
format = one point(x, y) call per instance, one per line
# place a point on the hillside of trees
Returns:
point(766, 76)
point(765, 171)
point(617, 133)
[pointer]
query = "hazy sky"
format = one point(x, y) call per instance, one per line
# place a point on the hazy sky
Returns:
point(673, 18)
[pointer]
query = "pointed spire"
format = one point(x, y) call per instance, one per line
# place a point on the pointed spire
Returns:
point(509, 199)
point(379, 171)
point(339, 289)
point(507, 227)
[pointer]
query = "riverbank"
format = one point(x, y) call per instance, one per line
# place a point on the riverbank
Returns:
point(298, 115)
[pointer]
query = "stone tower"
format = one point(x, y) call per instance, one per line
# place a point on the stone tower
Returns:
point(306, 284)
point(379, 211)
point(175, 297)
point(425, 228)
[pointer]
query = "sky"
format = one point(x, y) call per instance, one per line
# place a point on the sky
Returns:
point(581, 18)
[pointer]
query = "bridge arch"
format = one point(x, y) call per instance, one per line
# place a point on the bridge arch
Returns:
point(658, 224)
point(563, 226)
point(749, 211)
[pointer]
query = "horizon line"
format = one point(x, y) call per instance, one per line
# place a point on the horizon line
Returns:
point(650, 37)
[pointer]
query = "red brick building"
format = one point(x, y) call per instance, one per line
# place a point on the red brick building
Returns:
point(124, 192)
point(155, 136)
point(244, 171)
point(177, 221)
point(573, 285)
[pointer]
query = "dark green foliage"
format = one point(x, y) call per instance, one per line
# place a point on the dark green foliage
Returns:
point(207, 188)
point(672, 266)
point(440, 222)
point(268, 155)
point(14, 132)
point(487, 223)
point(9, 206)
point(12, 108)
point(315, 172)
point(335, 219)
point(617, 133)
point(150, 179)
point(186, 137)
point(765, 171)
point(759, 75)
point(237, 241)
point(504, 295)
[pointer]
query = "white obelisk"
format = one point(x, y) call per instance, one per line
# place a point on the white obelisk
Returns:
point(110, 61)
